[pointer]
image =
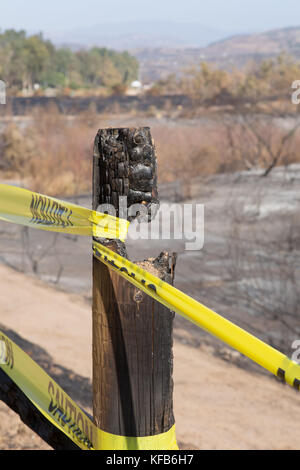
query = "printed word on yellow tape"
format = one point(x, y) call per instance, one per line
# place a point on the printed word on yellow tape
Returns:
point(51, 400)
point(35, 210)
point(239, 339)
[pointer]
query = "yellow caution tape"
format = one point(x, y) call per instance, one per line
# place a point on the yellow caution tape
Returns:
point(47, 396)
point(164, 441)
point(35, 210)
point(27, 208)
point(51, 400)
point(239, 339)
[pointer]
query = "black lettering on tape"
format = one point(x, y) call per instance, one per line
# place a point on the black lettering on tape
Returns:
point(152, 286)
point(59, 407)
point(281, 375)
point(44, 211)
point(68, 218)
point(296, 384)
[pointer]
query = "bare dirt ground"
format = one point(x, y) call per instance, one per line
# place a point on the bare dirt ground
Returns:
point(217, 404)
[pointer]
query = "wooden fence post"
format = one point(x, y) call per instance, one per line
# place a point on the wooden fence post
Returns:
point(132, 333)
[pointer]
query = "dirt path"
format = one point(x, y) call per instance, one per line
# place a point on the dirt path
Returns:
point(217, 405)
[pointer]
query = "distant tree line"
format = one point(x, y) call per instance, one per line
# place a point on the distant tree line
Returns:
point(205, 81)
point(29, 60)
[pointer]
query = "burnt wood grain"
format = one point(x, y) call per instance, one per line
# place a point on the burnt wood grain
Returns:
point(132, 333)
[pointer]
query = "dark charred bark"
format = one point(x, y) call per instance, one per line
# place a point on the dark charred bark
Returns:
point(132, 333)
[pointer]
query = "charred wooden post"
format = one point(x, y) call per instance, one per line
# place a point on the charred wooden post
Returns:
point(132, 333)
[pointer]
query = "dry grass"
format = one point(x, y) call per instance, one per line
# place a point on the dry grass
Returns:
point(224, 145)
point(53, 153)
point(62, 163)
point(188, 151)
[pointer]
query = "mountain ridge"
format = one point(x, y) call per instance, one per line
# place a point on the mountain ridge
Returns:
point(165, 48)
point(129, 34)
point(234, 51)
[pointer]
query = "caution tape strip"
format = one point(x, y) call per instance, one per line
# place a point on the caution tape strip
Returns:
point(46, 395)
point(20, 206)
point(239, 339)
point(38, 211)
point(54, 403)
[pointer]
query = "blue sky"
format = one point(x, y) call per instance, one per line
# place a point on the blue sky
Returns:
point(225, 15)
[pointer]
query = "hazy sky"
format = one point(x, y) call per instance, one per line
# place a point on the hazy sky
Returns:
point(225, 15)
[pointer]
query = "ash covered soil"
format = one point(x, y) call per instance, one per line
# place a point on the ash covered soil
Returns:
point(247, 271)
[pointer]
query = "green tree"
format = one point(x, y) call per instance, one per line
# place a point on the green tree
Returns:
point(25, 61)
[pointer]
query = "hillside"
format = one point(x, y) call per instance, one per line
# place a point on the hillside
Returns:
point(217, 405)
point(240, 49)
point(235, 51)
